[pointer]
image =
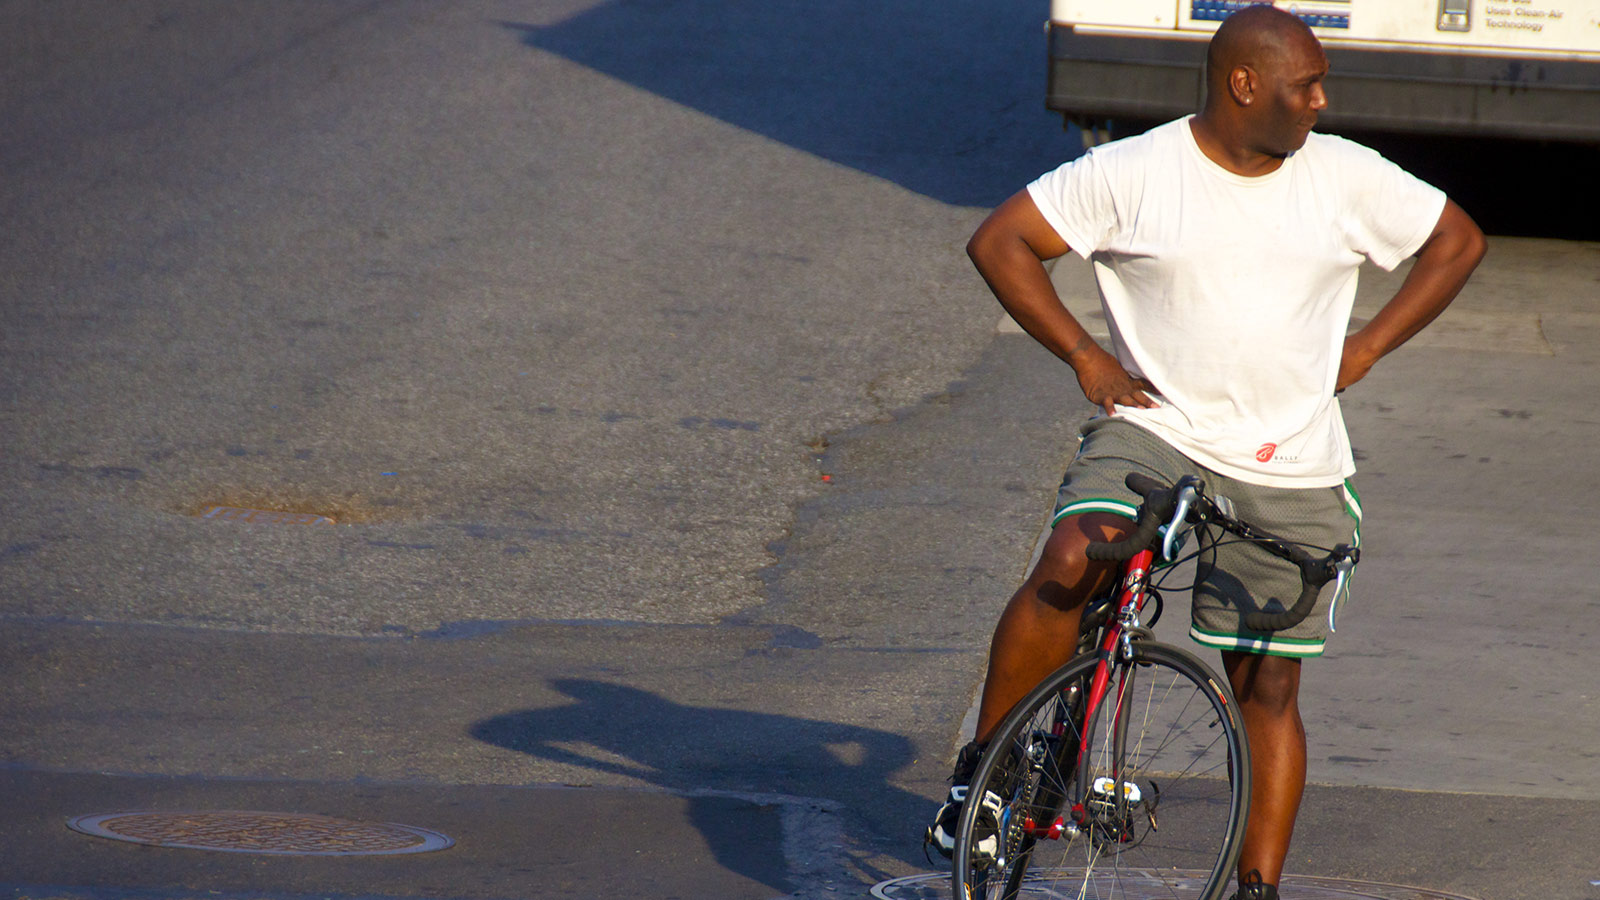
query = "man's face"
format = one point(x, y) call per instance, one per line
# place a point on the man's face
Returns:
point(1290, 95)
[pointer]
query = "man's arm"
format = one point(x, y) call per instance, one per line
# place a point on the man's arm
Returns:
point(1443, 264)
point(1009, 249)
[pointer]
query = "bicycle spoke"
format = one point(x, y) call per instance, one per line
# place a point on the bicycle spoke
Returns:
point(1157, 813)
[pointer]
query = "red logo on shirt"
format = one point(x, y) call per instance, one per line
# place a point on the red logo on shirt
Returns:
point(1265, 453)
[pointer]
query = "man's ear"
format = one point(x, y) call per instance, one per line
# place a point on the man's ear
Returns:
point(1242, 85)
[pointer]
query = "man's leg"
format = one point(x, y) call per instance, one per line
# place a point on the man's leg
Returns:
point(1038, 631)
point(1268, 689)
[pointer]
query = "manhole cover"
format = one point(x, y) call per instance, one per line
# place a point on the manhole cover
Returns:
point(262, 516)
point(261, 832)
point(1292, 887)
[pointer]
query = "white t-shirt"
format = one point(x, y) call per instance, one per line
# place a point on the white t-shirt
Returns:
point(1232, 295)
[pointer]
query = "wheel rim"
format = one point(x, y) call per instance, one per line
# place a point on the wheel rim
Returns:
point(1165, 823)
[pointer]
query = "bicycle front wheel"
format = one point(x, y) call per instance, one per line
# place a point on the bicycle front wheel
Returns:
point(1141, 795)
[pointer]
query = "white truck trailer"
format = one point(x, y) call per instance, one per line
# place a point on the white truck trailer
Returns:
point(1489, 68)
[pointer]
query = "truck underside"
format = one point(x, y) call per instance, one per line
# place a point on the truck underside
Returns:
point(1099, 79)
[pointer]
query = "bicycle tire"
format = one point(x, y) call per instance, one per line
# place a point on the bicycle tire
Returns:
point(1185, 754)
point(1047, 798)
point(1064, 756)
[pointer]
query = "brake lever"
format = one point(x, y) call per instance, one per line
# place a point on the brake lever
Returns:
point(1341, 578)
point(1186, 497)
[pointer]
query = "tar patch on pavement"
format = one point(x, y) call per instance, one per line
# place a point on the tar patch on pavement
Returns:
point(262, 516)
point(283, 834)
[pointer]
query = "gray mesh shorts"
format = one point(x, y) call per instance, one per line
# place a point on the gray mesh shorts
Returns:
point(1236, 578)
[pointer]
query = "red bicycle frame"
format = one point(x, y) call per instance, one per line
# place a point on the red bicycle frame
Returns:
point(1131, 598)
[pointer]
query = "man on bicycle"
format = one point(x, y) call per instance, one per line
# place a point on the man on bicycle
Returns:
point(1226, 246)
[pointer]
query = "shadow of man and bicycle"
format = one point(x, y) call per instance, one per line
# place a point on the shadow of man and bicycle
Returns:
point(943, 99)
point(692, 750)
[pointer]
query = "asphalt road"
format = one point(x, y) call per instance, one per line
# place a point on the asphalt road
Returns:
point(679, 462)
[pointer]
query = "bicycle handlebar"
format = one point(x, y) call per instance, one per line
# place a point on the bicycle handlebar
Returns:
point(1159, 501)
point(1259, 620)
point(1161, 506)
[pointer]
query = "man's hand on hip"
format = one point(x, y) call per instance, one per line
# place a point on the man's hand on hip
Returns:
point(1107, 384)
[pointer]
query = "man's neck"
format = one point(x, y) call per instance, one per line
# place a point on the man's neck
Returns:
point(1224, 147)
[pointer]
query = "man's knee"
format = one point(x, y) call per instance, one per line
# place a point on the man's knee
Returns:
point(1268, 685)
point(1064, 577)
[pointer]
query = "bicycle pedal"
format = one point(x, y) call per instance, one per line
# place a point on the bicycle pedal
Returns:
point(1107, 788)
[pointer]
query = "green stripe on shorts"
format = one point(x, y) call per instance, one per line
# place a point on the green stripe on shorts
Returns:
point(1352, 500)
point(1270, 644)
point(1096, 504)
point(1352, 505)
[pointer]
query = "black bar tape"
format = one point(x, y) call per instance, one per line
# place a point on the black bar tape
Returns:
point(1143, 536)
point(1144, 485)
point(1294, 615)
point(1153, 513)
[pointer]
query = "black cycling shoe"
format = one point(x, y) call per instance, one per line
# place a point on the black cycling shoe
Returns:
point(986, 831)
point(941, 835)
point(1251, 887)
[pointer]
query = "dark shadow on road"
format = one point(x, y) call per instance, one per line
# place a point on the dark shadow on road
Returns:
point(945, 99)
point(626, 731)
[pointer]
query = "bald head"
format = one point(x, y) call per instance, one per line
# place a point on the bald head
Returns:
point(1258, 37)
point(1264, 72)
